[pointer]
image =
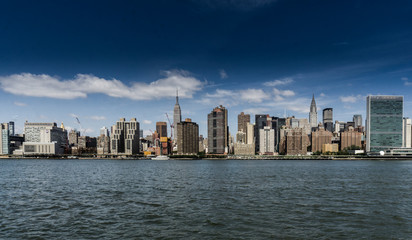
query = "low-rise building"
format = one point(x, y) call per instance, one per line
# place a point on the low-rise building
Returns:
point(244, 149)
point(329, 147)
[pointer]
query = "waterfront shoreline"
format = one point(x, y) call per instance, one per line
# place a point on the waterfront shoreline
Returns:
point(230, 157)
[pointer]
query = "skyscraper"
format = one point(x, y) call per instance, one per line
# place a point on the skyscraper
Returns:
point(267, 141)
point(242, 120)
point(313, 114)
point(177, 116)
point(104, 131)
point(11, 128)
point(383, 122)
point(188, 137)
point(125, 137)
point(260, 123)
point(161, 128)
point(218, 130)
point(328, 119)
point(407, 133)
point(4, 138)
point(357, 119)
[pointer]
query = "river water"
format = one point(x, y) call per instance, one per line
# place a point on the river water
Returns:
point(122, 199)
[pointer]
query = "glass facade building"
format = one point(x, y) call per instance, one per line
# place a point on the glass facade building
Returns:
point(383, 122)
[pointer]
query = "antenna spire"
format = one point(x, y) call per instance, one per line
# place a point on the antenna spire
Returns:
point(177, 96)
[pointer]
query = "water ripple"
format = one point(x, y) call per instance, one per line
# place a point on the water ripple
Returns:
point(73, 199)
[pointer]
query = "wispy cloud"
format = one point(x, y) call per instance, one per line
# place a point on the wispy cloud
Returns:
point(44, 85)
point(284, 93)
point(296, 105)
point(223, 74)
point(351, 98)
point(257, 110)
point(406, 81)
point(147, 122)
point(20, 104)
point(97, 118)
point(253, 95)
point(279, 82)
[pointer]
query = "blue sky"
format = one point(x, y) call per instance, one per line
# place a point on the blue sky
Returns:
point(103, 60)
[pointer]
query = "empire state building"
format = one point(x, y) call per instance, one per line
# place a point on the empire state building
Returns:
point(177, 117)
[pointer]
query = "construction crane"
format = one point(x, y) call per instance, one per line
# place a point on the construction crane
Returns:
point(80, 125)
point(171, 126)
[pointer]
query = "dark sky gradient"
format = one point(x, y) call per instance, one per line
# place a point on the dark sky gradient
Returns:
point(323, 45)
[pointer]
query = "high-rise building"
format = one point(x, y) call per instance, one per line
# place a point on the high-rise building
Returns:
point(350, 138)
point(267, 141)
point(260, 123)
point(125, 137)
point(104, 131)
point(11, 129)
point(241, 137)
point(103, 144)
point(293, 141)
point(407, 133)
point(242, 121)
point(177, 117)
point(188, 137)
point(250, 136)
point(328, 119)
point(218, 131)
point(313, 114)
point(161, 128)
point(383, 122)
point(320, 137)
point(74, 138)
point(357, 119)
point(4, 138)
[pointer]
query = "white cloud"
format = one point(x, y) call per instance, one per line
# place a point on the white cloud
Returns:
point(146, 133)
point(231, 98)
point(147, 122)
point(98, 118)
point(279, 82)
point(351, 99)
point(258, 110)
point(20, 104)
point(221, 93)
point(43, 85)
point(223, 74)
point(406, 81)
point(253, 95)
point(322, 95)
point(284, 93)
point(297, 105)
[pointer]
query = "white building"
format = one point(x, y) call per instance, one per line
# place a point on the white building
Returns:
point(250, 133)
point(44, 138)
point(267, 140)
point(104, 131)
point(407, 133)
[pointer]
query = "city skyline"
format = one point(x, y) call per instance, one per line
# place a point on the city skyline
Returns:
point(101, 62)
